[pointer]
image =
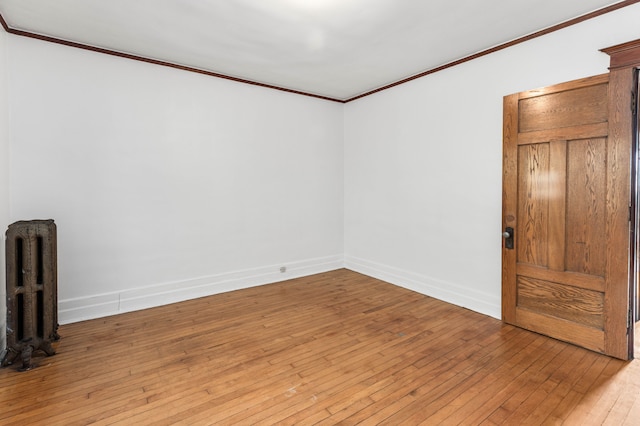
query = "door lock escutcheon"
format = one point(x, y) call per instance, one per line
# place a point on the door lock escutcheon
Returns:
point(508, 237)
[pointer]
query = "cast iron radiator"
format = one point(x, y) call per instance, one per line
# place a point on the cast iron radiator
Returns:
point(32, 290)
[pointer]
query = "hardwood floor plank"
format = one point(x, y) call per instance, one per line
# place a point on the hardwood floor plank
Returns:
point(634, 412)
point(495, 372)
point(559, 386)
point(601, 399)
point(470, 402)
point(337, 347)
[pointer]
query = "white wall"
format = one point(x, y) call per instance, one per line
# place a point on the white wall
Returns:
point(423, 163)
point(168, 185)
point(4, 185)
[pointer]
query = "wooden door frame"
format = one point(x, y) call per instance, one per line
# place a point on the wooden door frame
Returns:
point(620, 224)
point(634, 264)
point(623, 88)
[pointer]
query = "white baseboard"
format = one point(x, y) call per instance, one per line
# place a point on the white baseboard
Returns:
point(101, 305)
point(455, 294)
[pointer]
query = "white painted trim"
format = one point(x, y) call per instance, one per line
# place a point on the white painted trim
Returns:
point(101, 305)
point(477, 301)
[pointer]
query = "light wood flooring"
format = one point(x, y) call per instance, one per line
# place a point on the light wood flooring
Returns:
point(334, 348)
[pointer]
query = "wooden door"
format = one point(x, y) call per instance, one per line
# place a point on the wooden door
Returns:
point(566, 196)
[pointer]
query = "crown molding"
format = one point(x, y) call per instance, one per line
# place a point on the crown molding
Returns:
point(68, 43)
point(503, 46)
point(460, 61)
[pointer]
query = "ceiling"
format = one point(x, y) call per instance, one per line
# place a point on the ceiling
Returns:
point(333, 48)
